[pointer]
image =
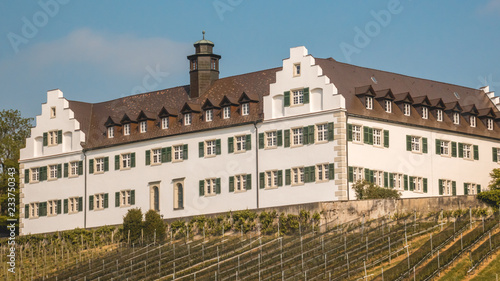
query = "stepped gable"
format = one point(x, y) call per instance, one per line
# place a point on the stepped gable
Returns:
point(93, 117)
point(348, 77)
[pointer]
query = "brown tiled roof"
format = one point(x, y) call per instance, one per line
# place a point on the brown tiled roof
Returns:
point(347, 78)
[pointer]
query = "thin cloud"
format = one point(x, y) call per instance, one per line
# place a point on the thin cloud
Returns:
point(491, 7)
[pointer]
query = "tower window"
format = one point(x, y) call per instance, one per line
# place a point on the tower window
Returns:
point(194, 64)
point(213, 64)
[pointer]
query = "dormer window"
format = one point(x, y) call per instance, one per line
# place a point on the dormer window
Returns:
point(111, 132)
point(209, 115)
point(369, 102)
point(227, 112)
point(425, 113)
point(472, 120)
point(296, 69)
point(143, 126)
point(388, 106)
point(245, 109)
point(187, 119)
point(456, 118)
point(126, 129)
point(439, 115)
point(407, 109)
point(164, 122)
point(489, 123)
point(53, 112)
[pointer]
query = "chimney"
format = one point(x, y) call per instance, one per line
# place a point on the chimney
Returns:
point(203, 66)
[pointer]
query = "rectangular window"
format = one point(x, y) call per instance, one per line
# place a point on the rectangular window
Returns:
point(73, 205)
point(425, 113)
point(126, 129)
point(209, 115)
point(126, 198)
point(34, 210)
point(73, 171)
point(471, 188)
point(35, 174)
point(178, 154)
point(322, 172)
point(489, 123)
point(187, 119)
point(165, 122)
point(445, 148)
point(439, 115)
point(322, 134)
point(407, 109)
point(467, 151)
point(296, 69)
point(418, 184)
point(297, 175)
point(52, 172)
point(53, 112)
point(297, 136)
point(125, 161)
point(378, 178)
point(210, 147)
point(99, 165)
point(51, 207)
point(227, 112)
point(298, 97)
point(456, 118)
point(245, 109)
point(111, 132)
point(388, 106)
point(156, 155)
point(53, 138)
point(271, 179)
point(472, 121)
point(369, 102)
point(194, 64)
point(447, 187)
point(240, 182)
point(415, 144)
point(213, 64)
point(377, 137)
point(271, 139)
point(240, 143)
point(143, 125)
point(356, 133)
point(210, 187)
point(99, 201)
point(357, 174)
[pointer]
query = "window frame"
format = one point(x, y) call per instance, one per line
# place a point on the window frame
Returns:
point(467, 151)
point(240, 144)
point(111, 132)
point(210, 148)
point(271, 179)
point(425, 112)
point(188, 119)
point(321, 134)
point(73, 205)
point(406, 109)
point(34, 210)
point(98, 165)
point(357, 135)
point(156, 156)
point(388, 106)
point(456, 118)
point(322, 172)
point(445, 147)
point(32, 173)
point(296, 69)
point(274, 139)
point(125, 161)
point(52, 172)
point(165, 123)
point(210, 187)
point(240, 183)
point(52, 138)
point(416, 142)
point(179, 153)
point(379, 137)
point(297, 136)
point(297, 175)
point(96, 201)
point(53, 112)
point(209, 115)
point(439, 115)
point(126, 129)
point(297, 97)
point(143, 127)
point(245, 109)
point(369, 102)
point(226, 112)
point(125, 198)
point(73, 167)
point(472, 120)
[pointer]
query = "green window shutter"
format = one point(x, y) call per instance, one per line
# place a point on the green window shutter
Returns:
point(230, 145)
point(280, 178)
point(217, 147)
point(331, 171)
point(478, 188)
point(288, 178)
point(391, 180)
point(249, 182)
point(43, 173)
point(453, 149)
point(106, 204)
point(65, 206)
point(305, 133)
point(201, 186)
point(366, 135)
point(280, 137)
point(59, 137)
point(201, 149)
point(231, 184)
point(132, 197)
point(26, 175)
point(45, 139)
point(331, 131)
point(312, 174)
point(41, 209)
point(287, 138)
point(66, 170)
point(217, 185)
point(370, 135)
point(349, 132)
point(406, 182)
point(306, 95)
point(386, 138)
point(367, 174)
point(106, 164)
point(248, 142)
point(164, 155)
point(185, 152)
point(117, 199)
point(386, 179)
point(424, 145)
point(466, 191)
point(80, 168)
point(148, 157)
point(169, 154)
point(91, 202)
point(454, 187)
point(476, 152)
point(441, 187)
point(59, 171)
point(311, 134)
point(261, 180)
point(59, 207)
point(133, 159)
point(286, 101)
point(117, 162)
point(371, 176)
point(26, 211)
point(261, 140)
point(408, 143)
point(412, 184)
point(351, 174)
point(80, 204)
point(438, 147)
point(460, 150)
point(425, 185)
point(495, 155)
point(306, 174)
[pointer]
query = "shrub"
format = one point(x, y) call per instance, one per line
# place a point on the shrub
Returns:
point(367, 190)
point(244, 220)
point(491, 197)
point(266, 222)
point(154, 224)
point(495, 179)
point(132, 222)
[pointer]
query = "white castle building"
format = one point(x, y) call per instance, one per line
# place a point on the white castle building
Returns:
point(299, 133)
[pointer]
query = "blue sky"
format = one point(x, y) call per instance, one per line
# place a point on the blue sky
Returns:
point(101, 50)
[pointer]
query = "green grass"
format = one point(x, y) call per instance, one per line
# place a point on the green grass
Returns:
point(488, 273)
point(458, 272)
